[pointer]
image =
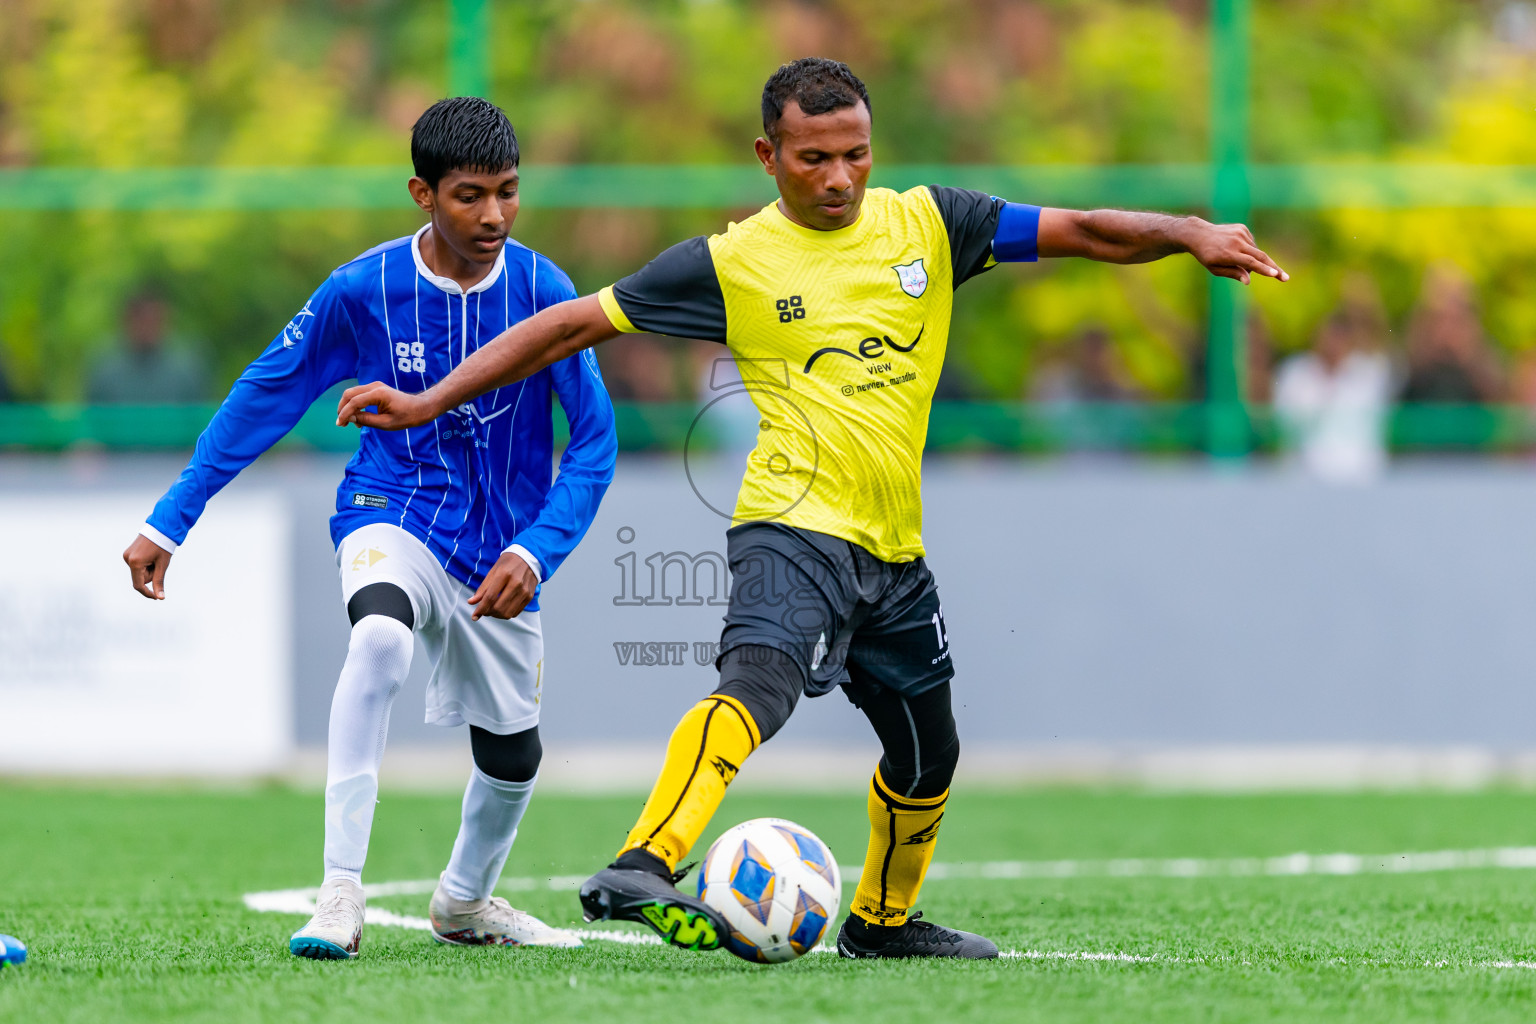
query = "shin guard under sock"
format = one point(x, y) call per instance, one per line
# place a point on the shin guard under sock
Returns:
point(706, 750)
point(902, 834)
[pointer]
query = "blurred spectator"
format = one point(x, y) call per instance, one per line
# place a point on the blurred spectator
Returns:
point(1449, 359)
point(1258, 364)
point(1522, 384)
point(144, 367)
point(640, 368)
point(1091, 372)
point(1259, 367)
point(1332, 402)
point(1522, 388)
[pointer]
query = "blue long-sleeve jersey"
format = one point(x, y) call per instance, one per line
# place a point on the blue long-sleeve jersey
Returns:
point(472, 482)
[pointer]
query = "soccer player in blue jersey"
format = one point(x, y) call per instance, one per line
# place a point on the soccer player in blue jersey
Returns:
point(445, 531)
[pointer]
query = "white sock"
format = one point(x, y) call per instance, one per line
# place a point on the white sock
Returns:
point(378, 658)
point(492, 810)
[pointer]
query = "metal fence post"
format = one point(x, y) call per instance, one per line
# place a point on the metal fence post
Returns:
point(1227, 418)
point(468, 47)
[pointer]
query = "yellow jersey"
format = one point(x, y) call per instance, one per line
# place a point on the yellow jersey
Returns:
point(839, 337)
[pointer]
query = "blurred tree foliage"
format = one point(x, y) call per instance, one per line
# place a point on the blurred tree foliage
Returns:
point(114, 83)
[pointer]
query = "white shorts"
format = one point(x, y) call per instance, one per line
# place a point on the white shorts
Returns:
point(487, 672)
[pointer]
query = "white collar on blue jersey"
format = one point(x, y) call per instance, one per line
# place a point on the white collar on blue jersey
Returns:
point(448, 284)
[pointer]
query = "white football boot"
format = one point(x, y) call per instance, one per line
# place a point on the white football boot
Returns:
point(336, 930)
point(491, 922)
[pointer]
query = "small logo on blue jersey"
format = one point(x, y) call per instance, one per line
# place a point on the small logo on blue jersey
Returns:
point(294, 332)
point(589, 357)
point(361, 500)
point(411, 358)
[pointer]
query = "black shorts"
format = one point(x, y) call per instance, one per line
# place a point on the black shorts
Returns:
point(840, 612)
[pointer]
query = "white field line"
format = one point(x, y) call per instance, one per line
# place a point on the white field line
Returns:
point(1290, 865)
point(1134, 958)
point(302, 901)
point(1239, 867)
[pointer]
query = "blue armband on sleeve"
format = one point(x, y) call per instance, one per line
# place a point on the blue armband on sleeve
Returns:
point(1017, 239)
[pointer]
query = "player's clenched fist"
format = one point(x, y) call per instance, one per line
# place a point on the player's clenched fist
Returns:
point(396, 409)
point(506, 589)
point(146, 562)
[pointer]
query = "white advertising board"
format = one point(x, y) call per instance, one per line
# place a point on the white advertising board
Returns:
point(95, 679)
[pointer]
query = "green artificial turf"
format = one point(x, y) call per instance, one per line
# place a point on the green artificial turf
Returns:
point(130, 902)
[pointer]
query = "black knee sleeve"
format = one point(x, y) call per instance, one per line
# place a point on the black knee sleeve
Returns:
point(512, 758)
point(926, 778)
point(382, 599)
point(765, 680)
point(921, 745)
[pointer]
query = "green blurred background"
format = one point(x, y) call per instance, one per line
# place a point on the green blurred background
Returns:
point(1383, 150)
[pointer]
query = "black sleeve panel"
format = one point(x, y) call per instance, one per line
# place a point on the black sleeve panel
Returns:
point(971, 220)
point(677, 293)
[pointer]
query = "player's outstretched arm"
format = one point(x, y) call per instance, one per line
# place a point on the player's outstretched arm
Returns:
point(317, 349)
point(1120, 236)
point(520, 351)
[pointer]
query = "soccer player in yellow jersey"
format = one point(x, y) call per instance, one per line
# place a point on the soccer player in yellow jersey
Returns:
point(835, 301)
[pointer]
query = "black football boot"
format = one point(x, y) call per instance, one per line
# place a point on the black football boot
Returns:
point(638, 887)
point(857, 940)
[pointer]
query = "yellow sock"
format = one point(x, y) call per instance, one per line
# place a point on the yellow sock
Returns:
point(902, 834)
point(706, 750)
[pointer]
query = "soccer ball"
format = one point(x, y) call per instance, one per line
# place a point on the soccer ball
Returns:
point(11, 951)
point(777, 885)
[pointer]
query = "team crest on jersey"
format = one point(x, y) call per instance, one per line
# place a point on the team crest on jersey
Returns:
point(914, 277)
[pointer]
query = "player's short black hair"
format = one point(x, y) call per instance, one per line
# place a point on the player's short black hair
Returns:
point(465, 133)
point(817, 84)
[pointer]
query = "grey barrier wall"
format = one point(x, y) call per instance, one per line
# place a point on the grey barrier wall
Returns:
point(1100, 603)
